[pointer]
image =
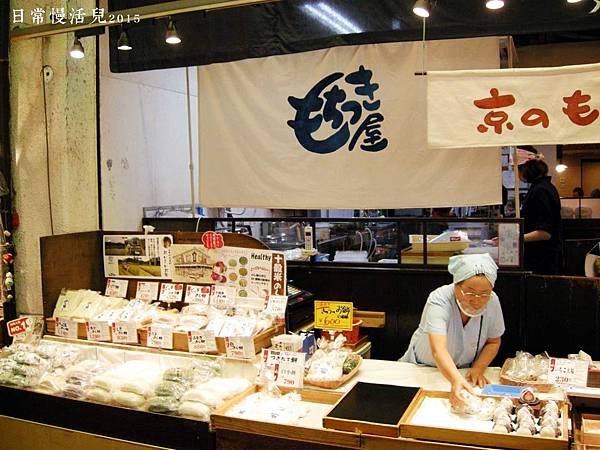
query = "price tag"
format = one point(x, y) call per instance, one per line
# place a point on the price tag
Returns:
point(210, 239)
point(124, 333)
point(568, 372)
point(147, 291)
point(116, 288)
point(240, 347)
point(285, 368)
point(223, 297)
point(66, 328)
point(198, 294)
point(160, 336)
point(333, 315)
point(18, 326)
point(97, 331)
point(171, 292)
point(277, 305)
point(201, 341)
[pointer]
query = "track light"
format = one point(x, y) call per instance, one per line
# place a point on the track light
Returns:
point(494, 4)
point(77, 50)
point(123, 42)
point(172, 37)
point(421, 8)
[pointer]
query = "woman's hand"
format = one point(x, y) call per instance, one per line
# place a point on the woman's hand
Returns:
point(455, 398)
point(476, 376)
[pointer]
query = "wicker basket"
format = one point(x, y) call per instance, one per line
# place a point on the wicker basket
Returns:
point(334, 384)
point(505, 379)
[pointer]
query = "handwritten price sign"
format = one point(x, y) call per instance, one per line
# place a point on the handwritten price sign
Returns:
point(333, 315)
point(568, 372)
point(124, 333)
point(97, 331)
point(211, 240)
point(286, 368)
point(202, 341)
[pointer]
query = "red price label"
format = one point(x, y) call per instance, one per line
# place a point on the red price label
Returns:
point(210, 239)
point(17, 326)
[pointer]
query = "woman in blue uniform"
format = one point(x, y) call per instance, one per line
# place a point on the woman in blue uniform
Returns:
point(461, 325)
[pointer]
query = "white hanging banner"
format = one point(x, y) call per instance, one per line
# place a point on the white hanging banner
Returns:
point(559, 105)
point(339, 128)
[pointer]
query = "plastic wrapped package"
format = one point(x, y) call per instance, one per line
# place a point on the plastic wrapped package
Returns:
point(238, 326)
point(27, 358)
point(328, 361)
point(128, 399)
point(195, 309)
point(51, 383)
point(226, 387)
point(67, 303)
point(208, 397)
point(191, 323)
point(180, 374)
point(98, 395)
point(172, 389)
point(163, 404)
point(196, 410)
point(286, 409)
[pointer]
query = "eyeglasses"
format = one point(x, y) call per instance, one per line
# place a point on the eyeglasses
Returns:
point(471, 295)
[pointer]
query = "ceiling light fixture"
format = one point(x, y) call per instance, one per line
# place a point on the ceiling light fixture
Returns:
point(77, 51)
point(421, 8)
point(123, 42)
point(573, 1)
point(560, 167)
point(171, 37)
point(494, 4)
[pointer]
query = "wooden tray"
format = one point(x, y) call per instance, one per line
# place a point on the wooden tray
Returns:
point(590, 429)
point(505, 379)
point(480, 438)
point(334, 384)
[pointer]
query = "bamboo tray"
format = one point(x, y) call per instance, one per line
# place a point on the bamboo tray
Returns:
point(479, 438)
point(505, 379)
point(334, 384)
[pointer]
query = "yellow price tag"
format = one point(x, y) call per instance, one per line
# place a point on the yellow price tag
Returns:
point(333, 315)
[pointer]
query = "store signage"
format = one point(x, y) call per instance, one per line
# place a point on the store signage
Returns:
point(124, 333)
point(285, 368)
point(160, 336)
point(116, 288)
point(333, 315)
point(202, 341)
point(276, 305)
point(171, 292)
point(568, 372)
point(490, 108)
point(240, 347)
point(66, 328)
point(223, 297)
point(147, 291)
point(198, 294)
point(508, 244)
point(97, 331)
point(210, 239)
point(18, 326)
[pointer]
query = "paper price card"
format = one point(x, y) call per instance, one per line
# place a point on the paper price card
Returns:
point(124, 333)
point(97, 331)
point(285, 368)
point(333, 315)
point(277, 305)
point(160, 336)
point(66, 328)
point(240, 347)
point(171, 292)
point(147, 291)
point(568, 372)
point(223, 297)
point(116, 288)
point(198, 294)
point(202, 341)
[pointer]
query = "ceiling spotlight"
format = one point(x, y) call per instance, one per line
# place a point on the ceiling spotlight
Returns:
point(172, 37)
point(77, 50)
point(123, 42)
point(494, 4)
point(560, 167)
point(573, 1)
point(421, 8)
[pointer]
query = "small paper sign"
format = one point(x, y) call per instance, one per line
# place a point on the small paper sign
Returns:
point(240, 347)
point(202, 341)
point(198, 294)
point(116, 288)
point(147, 291)
point(508, 244)
point(26, 329)
point(568, 372)
point(277, 305)
point(160, 336)
point(171, 292)
point(97, 331)
point(223, 297)
point(124, 333)
point(18, 326)
point(333, 315)
point(66, 328)
point(210, 239)
point(285, 368)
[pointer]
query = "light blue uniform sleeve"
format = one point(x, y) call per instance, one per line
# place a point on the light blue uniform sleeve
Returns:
point(436, 315)
point(496, 327)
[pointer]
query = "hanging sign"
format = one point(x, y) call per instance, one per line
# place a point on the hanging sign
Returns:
point(333, 315)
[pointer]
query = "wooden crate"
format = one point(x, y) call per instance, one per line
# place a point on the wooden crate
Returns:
point(51, 328)
point(220, 421)
point(484, 439)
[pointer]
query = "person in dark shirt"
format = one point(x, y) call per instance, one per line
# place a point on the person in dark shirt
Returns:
point(541, 213)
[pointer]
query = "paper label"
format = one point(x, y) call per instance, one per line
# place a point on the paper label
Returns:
point(508, 244)
point(333, 315)
point(223, 297)
point(18, 326)
point(240, 347)
point(66, 328)
point(124, 333)
point(171, 292)
point(201, 341)
point(97, 331)
point(116, 288)
point(285, 368)
point(147, 291)
point(277, 305)
point(198, 294)
point(568, 372)
point(160, 336)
